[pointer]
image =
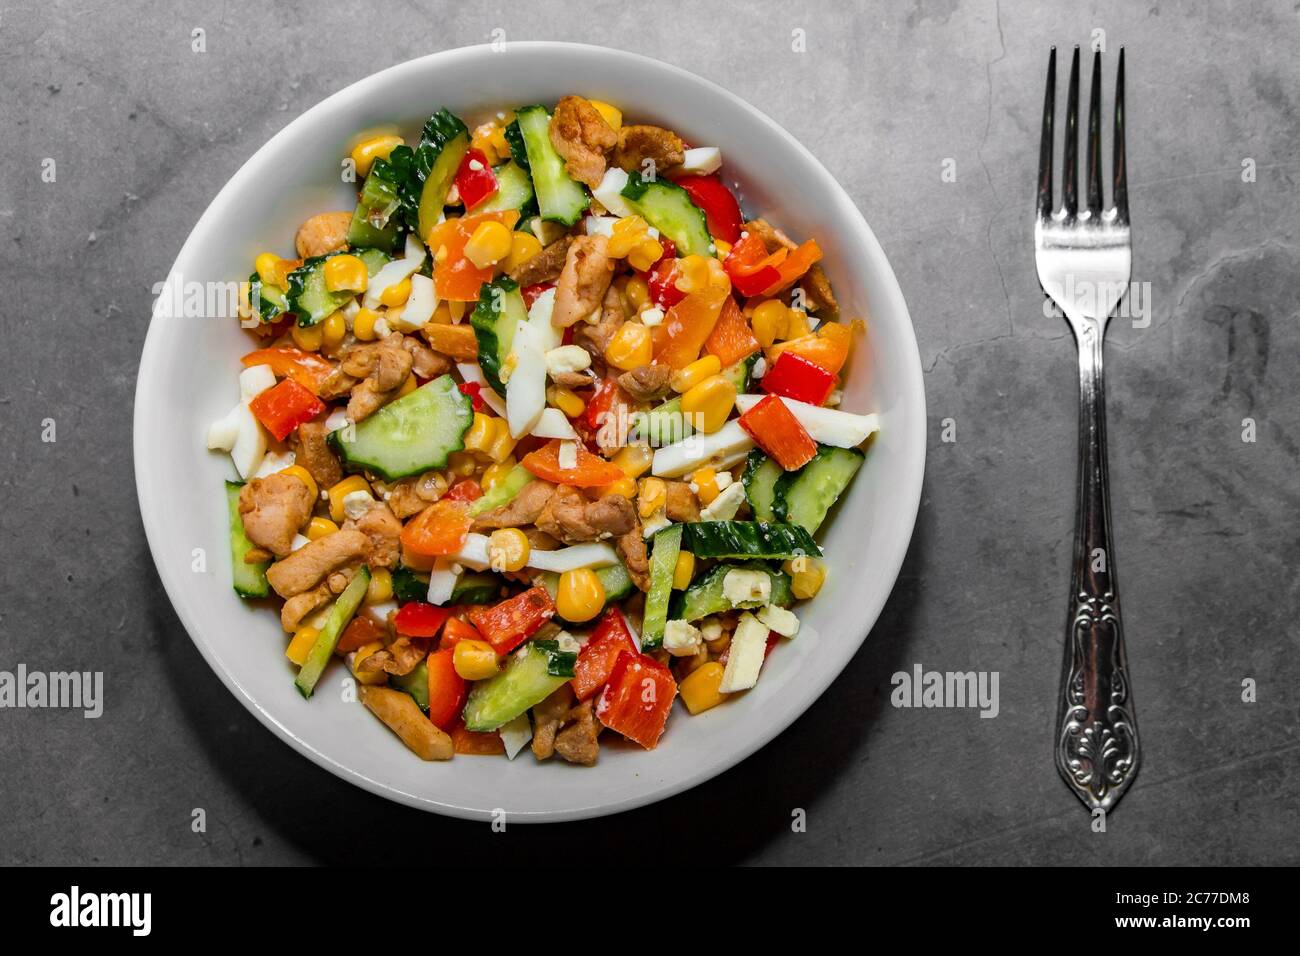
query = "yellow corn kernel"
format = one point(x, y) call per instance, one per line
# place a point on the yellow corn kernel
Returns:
point(345, 273)
point(380, 588)
point(302, 642)
point(363, 324)
point(718, 277)
point(340, 491)
point(367, 677)
point(496, 471)
point(796, 324)
point(507, 549)
point(692, 274)
point(710, 402)
point(481, 433)
point(652, 497)
point(580, 596)
point(523, 246)
point(333, 329)
point(624, 487)
point(683, 570)
point(807, 575)
point(631, 347)
point(634, 460)
point(685, 379)
point(395, 295)
point(490, 140)
point(461, 464)
point(274, 270)
point(705, 481)
point(307, 337)
point(770, 321)
point(474, 660)
point(456, 310)
point(637, 292)
point(721, 249)
point(699, 691)
point(489, 244)
point(502, 443)
point(409, 384)
point(319, 527)
point(566, 400)
point(610, 114)
point(303, 475)
point(367, 151)
point(628, 233)
point(645, 254)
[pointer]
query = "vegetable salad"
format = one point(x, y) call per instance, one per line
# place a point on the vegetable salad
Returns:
point(538, 437)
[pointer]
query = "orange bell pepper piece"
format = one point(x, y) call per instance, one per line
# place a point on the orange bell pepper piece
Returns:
point(592, 471)
point(688, 325)
point(454, 276)
point(456, 341)
point(306, 368)
point(795, 265)
point(475, 744)
point(826, 348)
point(438, 530)
point(731, 339)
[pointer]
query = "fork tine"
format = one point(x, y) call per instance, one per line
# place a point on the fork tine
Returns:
point(1094, 139)
point(1120, 188)
point(1045, 150)
point(1070, 176)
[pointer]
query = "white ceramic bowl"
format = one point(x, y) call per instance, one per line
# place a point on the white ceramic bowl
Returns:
point(188, 378)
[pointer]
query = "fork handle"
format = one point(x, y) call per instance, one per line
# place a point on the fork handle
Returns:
point(1097, 738)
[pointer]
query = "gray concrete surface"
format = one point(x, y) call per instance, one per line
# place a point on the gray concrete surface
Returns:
point(145, 132)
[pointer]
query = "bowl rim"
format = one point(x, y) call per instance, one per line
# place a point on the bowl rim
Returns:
point(910, 388)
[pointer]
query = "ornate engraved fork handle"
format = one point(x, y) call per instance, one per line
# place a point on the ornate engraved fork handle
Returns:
point(1097, 738)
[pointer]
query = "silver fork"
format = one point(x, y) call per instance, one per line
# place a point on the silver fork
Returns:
point(1084, 261)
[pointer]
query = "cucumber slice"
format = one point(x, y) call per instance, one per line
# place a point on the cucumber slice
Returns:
point(268, 301)
point(475, 587)
point(339, 615)
point(613, 578)
point(663, 562)
point(249, 579)
point(742, 373)
point(527, 680)
point(409, 586)
point(806, 495)
point(409, 436)
point(514, 189)
point(705, 596)
point(444, 142)
point(310, 300)
point(515, 140)
point(748, 539)
point(559, 663)
point(503, 492)
point(499, 311)
point(760, 478)
point(559, 198)
point(373, 223)
point(668, 208)
point(415, 683)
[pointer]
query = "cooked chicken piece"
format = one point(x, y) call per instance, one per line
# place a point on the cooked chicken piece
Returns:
point(583, 379)
point(314, 454)
point(381, 526)
point(425, 362)
point(646, 383)
point(596, 338)
point(386, 366)
point(546, 266)
point(631, 547)
point(817, 287)
point(273, 509)
point(412, 495)
point(539, 540)
point(326, 232)
point(519, 511)
point(310, 564)
point(299, 606)
point(548, 717)
point(588, 270)
point(772, 237)
point(637, 144)
point(339, 580)
point(680, 502)
point(573, 519)
point(577, 742)
point(582, 137)
point(398, 658)
point(257, 556)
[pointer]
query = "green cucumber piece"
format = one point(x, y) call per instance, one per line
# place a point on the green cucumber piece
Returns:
point(503, 492)
point(760, 478)
point(804, 496)
point(526, 681)
point(409, 586)
point(310, 300)
point(742, 373)
point(339, 615)
point(249, 579)
point(514, 189)
point(668, 208)
point(748, 539)
point(705, 596)
point(373, 222)
point(614, 578)
point(559, 663)
point(559, 198)
point(662, 425)
point(499, 311)
point(268, 301)
point(410, 435)
point(416, 683)
point(475, 587)
point(444, 141)
point(663, 562)
point(515, 139)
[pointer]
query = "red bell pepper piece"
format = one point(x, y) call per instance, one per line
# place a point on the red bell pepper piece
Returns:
point(592, 471)
point(637, 698)
point(511, 622)
point(531, 293)
point(601, 401)
point(475, 744)
point(439, 529)
point(456, 630)
point(475, 181)
point(795, 377)
point(663, 284)
point(447, 689)
point(473, 390)
point(750, 266)
point(597, 658)
point(284, 407)
point(775, 429)
point(306, 368)
point(418, 619)
point(466, 490)
point(719, 205)
point(794, 265)
point(731, 339)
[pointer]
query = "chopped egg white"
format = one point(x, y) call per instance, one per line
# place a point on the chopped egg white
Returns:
point(701, 160)
point(568, 455)
point(726, 505)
